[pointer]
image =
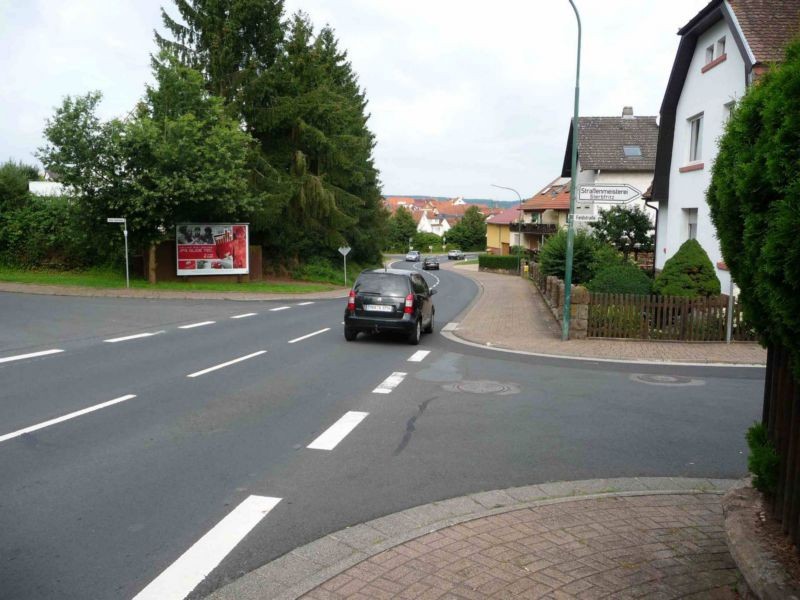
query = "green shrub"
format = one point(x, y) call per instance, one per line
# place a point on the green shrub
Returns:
point(323, 270)
point(588, 256)
point(688, 273)
point(763, 461)
point(621, 279)
point(492, 261)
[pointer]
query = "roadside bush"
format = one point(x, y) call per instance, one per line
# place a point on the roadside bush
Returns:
point(423, 240)
point(588, 256)
point(50, 233)
point(621, 279)
point(492, 261)
point(323, 270)
point(763, 461)
point(688, 273)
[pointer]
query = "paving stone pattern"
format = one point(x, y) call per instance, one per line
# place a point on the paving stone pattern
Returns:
point(511, 314)
point(655, 546)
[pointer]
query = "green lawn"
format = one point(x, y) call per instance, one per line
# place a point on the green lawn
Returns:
point(111, 279)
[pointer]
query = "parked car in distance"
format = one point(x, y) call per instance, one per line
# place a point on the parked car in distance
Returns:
point(431, 262)
point(413, 256)
point(455, 255)
point(389, 300)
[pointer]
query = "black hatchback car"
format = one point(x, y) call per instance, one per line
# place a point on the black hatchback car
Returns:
point(389, 300)
point(430, 262)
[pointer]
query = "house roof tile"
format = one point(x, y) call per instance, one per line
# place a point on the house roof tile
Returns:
point(554, 196)
point(767, 25)
point(509, 215)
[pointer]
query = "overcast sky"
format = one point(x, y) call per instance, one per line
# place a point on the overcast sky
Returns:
point(462, 93)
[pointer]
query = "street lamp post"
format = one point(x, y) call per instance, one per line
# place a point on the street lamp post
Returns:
point(519, 233)
point(573, 187)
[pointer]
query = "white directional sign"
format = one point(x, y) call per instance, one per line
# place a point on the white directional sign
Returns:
point(115, 220)
point(344, 250)
point(609, 193)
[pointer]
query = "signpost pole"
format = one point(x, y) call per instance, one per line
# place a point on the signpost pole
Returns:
point(344, 251)
point(127, 273)
point(573, 190)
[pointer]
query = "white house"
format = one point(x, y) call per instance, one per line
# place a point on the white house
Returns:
point(722, 50)
point(432, 223)
point(616, 159)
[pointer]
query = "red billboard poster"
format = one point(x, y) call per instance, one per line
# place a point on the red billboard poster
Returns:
point(212, 248)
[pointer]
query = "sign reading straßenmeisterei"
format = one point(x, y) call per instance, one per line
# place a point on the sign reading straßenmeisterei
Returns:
point(609, 193)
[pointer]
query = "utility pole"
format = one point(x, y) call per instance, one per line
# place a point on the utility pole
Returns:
point(573, 190)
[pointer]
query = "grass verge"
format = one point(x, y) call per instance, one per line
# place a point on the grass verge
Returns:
point(103, 278)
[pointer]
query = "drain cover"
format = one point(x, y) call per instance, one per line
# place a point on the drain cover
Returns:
point(483, 387)
point(674, 380)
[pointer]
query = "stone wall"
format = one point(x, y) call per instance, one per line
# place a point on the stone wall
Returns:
point(553, 290)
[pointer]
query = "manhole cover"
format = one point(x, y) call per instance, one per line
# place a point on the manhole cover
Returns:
point(482, 387)
point(674, 380)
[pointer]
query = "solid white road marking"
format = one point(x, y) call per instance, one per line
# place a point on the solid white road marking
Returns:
point(133, 337)
point(227, 364)
point(305, 303)
point(419, 356)
point(391, 382)
point(67, 417)
point(31, 355)
point(186, 573)
point(193, 325)
point(245, 315)
point(451, 326)
point(331, 437)
point(305, 337)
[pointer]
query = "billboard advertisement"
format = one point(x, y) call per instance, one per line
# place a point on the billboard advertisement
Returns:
point(212, 248)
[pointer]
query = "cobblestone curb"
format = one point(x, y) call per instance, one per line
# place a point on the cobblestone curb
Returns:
point(305, 568)
point(765, 577)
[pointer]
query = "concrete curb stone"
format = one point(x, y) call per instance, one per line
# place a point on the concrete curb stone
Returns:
point(307, 567)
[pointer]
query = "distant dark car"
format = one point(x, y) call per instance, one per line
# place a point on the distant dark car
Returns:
point(430, 263)
point(413, 256)
point(455, 255)
point(389, 300)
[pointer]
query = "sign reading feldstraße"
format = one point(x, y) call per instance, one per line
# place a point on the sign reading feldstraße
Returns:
point(212, 248)
point(610, 193)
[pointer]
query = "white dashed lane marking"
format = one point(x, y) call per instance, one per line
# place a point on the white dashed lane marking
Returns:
point(193, 325)
point(389, 383)
point(304, 303)
point(419, 356)
point(182, 576)
point(338, 431)
point(133, 337)
point(227, 364)
point(244, 316)
point(279, 308)
point(66, 417)
point(30, 355)
point(305, 337)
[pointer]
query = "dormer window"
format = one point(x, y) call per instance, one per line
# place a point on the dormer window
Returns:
point(632, 151)
point(720, 47)
point(710, 54)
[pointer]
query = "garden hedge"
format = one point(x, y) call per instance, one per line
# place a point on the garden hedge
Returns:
point(493, 261)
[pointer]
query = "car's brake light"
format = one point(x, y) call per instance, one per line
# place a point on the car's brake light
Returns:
point(351, 302)
point(409, 308)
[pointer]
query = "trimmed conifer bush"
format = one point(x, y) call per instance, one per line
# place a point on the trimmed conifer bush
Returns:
point(621, 279)
point(688, 273)
point(494, 261)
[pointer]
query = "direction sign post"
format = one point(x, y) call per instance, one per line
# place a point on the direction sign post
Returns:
point(344, 251)
point(125, 234)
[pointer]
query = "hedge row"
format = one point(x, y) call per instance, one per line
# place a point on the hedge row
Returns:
point(491, 261)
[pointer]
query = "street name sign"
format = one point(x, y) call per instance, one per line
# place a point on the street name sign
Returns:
point(344, 250)
point(115, 220)
point(604, 192)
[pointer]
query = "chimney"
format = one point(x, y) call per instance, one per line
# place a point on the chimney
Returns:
point(627, 112)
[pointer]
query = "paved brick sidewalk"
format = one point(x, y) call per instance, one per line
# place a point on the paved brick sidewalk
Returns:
point(647, 537)
point(511, 314)
point(667, 546)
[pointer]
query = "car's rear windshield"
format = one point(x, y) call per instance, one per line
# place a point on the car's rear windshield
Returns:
point(382, 283)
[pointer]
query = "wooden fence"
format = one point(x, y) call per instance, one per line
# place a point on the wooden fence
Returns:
point(782, 419)
point(664, 318)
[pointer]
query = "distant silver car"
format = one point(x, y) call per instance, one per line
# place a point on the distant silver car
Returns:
point(413, 256)
point(455, 255)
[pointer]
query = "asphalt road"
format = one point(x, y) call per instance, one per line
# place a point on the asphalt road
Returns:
point(103, 504)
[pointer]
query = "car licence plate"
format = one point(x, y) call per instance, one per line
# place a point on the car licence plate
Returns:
point(379, 307)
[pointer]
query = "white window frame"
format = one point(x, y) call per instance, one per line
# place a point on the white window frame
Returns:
point(719, 47)
point(690, 216)
point(696, 138)
point(710, 54)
